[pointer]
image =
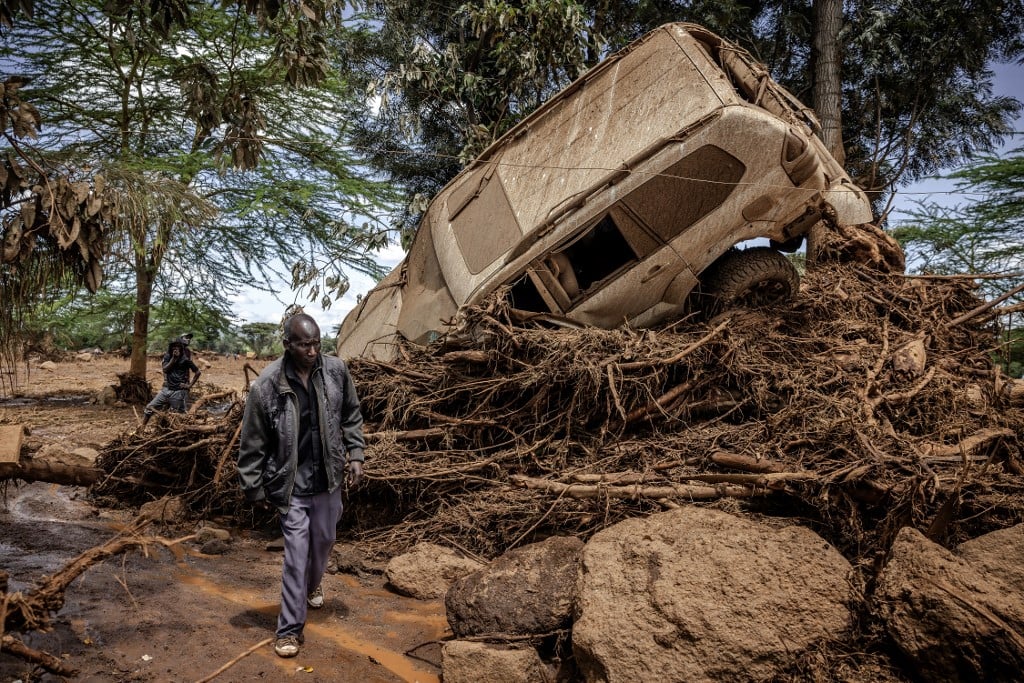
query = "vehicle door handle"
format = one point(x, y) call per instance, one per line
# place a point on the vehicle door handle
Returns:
point(650, 274)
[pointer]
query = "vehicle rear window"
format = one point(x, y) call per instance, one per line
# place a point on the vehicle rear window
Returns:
point(482, 219)
point(687, 191)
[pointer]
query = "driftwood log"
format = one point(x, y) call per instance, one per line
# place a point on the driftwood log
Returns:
point(32, 610)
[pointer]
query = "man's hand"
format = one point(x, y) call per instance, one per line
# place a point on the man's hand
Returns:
point(265, 506)
point(355, 473)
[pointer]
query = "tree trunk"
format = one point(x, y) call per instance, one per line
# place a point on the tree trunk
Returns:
point(828, 97)
point(34, 469)
point(140, 322)
point(828, 83)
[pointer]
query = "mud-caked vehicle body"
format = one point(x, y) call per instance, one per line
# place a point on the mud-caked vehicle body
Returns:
point(621, 196)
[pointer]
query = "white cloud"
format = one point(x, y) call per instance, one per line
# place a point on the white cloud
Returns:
point(252, 305)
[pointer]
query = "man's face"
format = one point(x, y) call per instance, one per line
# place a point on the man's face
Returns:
point(303, 346)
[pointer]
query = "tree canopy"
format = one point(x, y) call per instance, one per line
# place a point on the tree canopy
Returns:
point(223, 173)
point(915, 78)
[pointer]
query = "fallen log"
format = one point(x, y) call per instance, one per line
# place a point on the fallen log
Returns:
point(35, 469)
point(746, 463)
point(406, 435)
point(655, 493)
point(55, 665)
point(973, 442)
point(983, 307)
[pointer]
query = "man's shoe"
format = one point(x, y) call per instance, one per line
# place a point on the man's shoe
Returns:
point(288, 646)
point(316, 598)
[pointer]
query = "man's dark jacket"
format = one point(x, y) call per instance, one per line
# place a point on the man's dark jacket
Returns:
point(268, 447)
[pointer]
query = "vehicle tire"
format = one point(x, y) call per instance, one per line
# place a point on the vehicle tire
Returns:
point(751, 278)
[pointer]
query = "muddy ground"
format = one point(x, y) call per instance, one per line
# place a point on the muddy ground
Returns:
point(179, 616)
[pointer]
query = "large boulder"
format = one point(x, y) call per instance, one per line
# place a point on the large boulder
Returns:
point(525, 591)
point(428, 570)
point(701, 595)
point(1000, 553)
point(468, 662)
point(954, 621)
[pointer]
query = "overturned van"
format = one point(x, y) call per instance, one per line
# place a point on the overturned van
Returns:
point(621, 196)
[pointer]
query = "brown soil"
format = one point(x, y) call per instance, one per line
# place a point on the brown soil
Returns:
point(163, 616)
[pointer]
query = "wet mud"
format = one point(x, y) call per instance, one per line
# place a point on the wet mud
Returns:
point(179, 616)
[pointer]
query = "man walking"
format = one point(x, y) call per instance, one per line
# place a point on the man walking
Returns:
point(176, 366)
point(302, 438)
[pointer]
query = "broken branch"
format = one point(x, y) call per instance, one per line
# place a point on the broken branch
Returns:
point(634, 492)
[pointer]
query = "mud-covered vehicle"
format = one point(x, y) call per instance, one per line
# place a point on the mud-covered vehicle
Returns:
point(620, 197)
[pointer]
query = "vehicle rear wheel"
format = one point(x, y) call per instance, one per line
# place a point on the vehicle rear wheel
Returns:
point(754, 277)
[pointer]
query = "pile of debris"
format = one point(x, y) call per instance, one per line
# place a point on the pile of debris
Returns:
point(869, 403)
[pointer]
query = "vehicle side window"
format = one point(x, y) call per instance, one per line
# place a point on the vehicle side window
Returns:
point(598, 253)
point(687, 191)
point(482, 219)
point(525, 296)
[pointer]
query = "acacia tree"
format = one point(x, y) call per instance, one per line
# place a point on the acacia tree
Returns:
point(222, 168)
point(983, 236)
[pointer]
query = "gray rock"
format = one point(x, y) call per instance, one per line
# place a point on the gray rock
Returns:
point(525, 591)
point(214, 547)
point(954, 621)
point(212, 533)
point(700, 595)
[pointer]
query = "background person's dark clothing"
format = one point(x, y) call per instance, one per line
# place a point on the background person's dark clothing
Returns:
point(176, 370)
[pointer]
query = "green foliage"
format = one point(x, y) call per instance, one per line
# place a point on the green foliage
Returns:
point(983, 235)
point(104, 321)
point(101, 321)
point(229, 176)
point(263, 338)
point(451, 77)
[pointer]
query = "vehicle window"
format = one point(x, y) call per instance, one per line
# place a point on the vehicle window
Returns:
point(525, 296)
point(482, 219)
point(598, 253)
point(687, 191)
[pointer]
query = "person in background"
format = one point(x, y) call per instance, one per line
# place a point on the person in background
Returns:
point(177, 367)
point(301, 440)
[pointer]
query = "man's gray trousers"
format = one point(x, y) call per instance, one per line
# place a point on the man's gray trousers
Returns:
point(310, 528)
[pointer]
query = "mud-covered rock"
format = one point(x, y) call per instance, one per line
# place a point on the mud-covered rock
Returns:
point(428, 570)
point(164, 510)
point(348, 558)
point(527, 590)
point(1000, 553)
point(701, 595)
point(953, 620)
point(469, 662)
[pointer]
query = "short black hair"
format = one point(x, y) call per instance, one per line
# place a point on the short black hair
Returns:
point(290, 323)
